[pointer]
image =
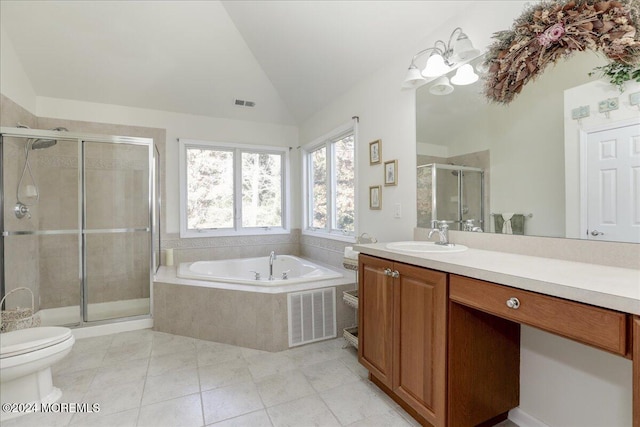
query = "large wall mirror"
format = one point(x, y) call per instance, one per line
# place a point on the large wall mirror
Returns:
point(528, 152)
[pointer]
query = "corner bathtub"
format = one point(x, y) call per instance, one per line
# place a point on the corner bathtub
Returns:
point(255, 271)
point(222, 301)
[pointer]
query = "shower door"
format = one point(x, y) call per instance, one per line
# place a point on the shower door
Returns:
point(472, 197)
point(117, 229)
point(41, 226)
point(450, 193)
point(77, 224)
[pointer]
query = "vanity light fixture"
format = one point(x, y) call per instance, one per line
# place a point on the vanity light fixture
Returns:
point(444, 57)
point(441, 86)
point(464, 76)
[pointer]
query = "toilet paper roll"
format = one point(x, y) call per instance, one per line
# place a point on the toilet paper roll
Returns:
point(168, 257)
point(350, 253)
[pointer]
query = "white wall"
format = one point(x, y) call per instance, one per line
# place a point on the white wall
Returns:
point(14, 83)
point(567, 384)
point(388, 114)
point(182, 126)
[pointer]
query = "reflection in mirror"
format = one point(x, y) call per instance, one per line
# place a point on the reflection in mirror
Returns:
point(529, 181)
point(450, 193)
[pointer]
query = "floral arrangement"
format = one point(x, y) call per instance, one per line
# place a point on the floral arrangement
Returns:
point(551, 30)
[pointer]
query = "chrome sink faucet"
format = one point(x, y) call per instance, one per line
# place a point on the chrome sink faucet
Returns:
point(469, 225)
point(272, 257)
point(442, 230)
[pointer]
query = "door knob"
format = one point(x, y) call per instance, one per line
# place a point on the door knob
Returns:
point(596, 233)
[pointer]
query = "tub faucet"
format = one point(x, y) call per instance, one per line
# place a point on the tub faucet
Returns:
point(272, 257)
point(442, 230)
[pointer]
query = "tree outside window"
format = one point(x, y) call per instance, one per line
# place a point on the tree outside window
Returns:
point(232, 189)
point(330, 183)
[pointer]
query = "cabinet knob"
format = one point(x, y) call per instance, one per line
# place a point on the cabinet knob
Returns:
point(513, 303)
point(387, 272)
point(395, 274)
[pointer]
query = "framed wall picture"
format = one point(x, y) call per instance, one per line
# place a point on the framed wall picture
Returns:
point(391, 172)
point(375, 197)
point(375, 152)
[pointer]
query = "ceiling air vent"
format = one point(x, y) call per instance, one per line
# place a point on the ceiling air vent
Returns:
point(243, 103)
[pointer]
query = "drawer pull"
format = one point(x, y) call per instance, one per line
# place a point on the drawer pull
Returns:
point(513, 303)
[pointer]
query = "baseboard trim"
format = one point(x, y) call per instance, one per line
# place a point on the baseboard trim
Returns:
point(523, 419)
point(112, 328)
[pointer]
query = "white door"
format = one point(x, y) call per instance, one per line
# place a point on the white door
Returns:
point(613, 184)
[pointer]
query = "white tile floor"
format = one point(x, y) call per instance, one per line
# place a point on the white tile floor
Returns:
point(147, 378)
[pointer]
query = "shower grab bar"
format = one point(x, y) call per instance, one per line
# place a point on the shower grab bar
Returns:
point(114, 230)
point(93, 231)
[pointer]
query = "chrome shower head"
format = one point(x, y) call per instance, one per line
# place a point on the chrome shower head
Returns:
point(40, 144)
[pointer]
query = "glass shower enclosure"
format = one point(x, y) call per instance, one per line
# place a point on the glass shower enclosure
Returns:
point(78, 224)
point(450, 193)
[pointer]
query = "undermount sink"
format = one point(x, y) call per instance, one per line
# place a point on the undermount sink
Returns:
point(424, 247)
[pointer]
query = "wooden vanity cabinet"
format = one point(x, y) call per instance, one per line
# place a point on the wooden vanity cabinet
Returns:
point(402, 333)
point(447, 347)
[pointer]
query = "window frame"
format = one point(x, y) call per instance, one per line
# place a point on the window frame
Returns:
point(328, 141)
point(237, 229)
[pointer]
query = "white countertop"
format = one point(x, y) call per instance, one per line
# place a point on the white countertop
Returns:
point(609, 287)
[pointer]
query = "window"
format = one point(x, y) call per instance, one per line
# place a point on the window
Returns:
point(330, 184)
point(231, 189)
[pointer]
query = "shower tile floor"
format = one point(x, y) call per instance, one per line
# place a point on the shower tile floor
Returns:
point(148, 378)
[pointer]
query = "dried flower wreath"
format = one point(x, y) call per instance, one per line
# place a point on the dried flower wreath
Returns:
point(551, 30)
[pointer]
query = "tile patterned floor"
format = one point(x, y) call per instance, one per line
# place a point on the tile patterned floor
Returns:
point(147, 378)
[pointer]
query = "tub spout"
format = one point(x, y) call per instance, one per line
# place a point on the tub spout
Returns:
point(272, 257)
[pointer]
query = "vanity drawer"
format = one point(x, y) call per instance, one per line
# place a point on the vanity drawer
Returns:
point(599, 327)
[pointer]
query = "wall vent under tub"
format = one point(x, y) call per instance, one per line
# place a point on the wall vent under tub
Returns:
point(312, 316)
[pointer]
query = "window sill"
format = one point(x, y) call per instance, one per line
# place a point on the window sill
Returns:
point(330, 236)
point(190, 234)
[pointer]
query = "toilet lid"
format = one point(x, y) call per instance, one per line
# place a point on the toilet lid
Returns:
point(22, 341)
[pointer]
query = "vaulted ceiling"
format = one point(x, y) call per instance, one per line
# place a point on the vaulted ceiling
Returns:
point(196, 57)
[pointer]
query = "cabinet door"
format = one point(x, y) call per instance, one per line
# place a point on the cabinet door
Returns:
point(420, 340)
point(375, 328)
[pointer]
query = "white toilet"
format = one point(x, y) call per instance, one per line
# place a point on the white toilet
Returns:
point(26, 356)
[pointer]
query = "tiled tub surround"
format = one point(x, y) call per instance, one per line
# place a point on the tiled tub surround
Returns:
point(216, 248)
point(253, 317)
point(327, 251)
